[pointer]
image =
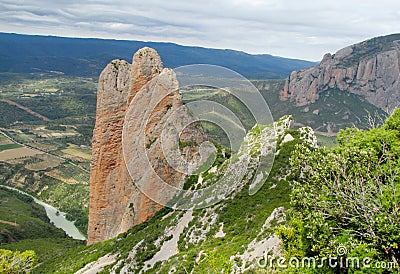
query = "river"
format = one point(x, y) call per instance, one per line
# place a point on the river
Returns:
point(57, 217)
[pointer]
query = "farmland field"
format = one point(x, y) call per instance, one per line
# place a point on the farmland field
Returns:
point(76, 151)
point(17, 153)
point(43, 162)
point(4, 140)
point(8, 146)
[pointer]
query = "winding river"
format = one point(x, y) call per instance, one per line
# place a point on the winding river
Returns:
point(57, 217)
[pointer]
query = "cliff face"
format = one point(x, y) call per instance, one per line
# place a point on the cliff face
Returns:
point(370, 69)
point(116, 204)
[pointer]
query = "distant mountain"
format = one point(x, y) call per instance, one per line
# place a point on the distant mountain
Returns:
point(370, 69)
point(87, 56)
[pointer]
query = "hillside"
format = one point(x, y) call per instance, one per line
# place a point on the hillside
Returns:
point(223, 236)
point(235, 235)
point(87, 57)
point(370, 69)
point(22, 218)
point(249, 233)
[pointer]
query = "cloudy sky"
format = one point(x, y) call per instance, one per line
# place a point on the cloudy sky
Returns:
point(303, 29)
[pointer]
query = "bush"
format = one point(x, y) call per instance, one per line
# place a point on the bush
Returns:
point(17, 262)
point(347, 196)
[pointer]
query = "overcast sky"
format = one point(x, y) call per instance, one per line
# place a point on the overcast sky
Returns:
point(304, 29)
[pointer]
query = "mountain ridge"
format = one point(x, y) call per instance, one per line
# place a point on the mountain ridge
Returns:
point(88, 56)
point(370, 69)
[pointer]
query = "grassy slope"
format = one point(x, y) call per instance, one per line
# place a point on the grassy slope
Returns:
point(26, 218)
point(239, 233)
point(70, 198)
point(46, 249)
point(29, 226)
point(337, 108)
point(70, 112)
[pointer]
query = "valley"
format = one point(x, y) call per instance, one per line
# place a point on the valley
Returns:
point(47, 119)
point(55, 217)
point(49, 158)
point(24, 225)
point(44, 154)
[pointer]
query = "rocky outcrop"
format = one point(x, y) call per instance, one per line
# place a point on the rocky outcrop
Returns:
point(116, 204)
point(370, 69)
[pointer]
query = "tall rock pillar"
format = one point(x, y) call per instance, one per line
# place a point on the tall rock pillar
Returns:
point(110, 184)
point(116, 204)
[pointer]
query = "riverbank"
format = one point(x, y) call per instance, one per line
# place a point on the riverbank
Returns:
point(56, 217)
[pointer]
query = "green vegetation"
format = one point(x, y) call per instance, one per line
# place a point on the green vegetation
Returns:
point(3, 139)
point(70, 198)
point(240, 226)
point(77, 56)
point(74, 259)
point(21, 218)
point(24, 226)
point(61, 106)
point(319, 219)
point(151, 143)
point(76, 151)
point(42, 84)
point(347, 197)
point(73, 199)
point(9, 146)
point(69, 102)
point(326, 141)
point(46, 249)
point(10, 115)
point(183, 144)
point(17, 262)
point(242, 216)
point(334, 110)
point(42, 162)
point(65, 100)
point(369, 48)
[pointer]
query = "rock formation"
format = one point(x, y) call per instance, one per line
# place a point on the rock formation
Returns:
point(116, 204)
point(370, 69)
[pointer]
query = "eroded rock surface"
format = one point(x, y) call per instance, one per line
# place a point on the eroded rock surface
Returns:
point(370, 69)
point(116, 204)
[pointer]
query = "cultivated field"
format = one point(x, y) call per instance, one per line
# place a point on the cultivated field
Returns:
point(17, 153)
point(75, 151)
point(9, 146)
point(43, 162)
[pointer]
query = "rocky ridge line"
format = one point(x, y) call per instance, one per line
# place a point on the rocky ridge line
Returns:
point(370, 69)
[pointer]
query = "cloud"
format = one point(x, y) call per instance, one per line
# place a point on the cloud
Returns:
point(301, 29)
